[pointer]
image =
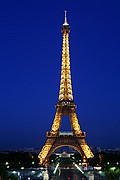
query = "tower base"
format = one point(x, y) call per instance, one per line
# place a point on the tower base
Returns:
point(54, 142)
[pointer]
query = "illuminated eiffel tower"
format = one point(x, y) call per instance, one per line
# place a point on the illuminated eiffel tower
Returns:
point(65, 107)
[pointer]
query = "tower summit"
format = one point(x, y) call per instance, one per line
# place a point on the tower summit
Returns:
point(65, 92)
point(65, 22)
point(65, 107)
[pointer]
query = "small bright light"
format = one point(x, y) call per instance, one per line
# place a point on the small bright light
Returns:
point(18, 173)
point(28, 178)
point(14, 172)
point(108, 163)
point(100, 172)
point(7, 167)
point(40, 174)
point(6, 163)
point(33, 172)
point(97, 168)
point(22, 167)
point(33, 162)
point(117, 163)
point(113, 168)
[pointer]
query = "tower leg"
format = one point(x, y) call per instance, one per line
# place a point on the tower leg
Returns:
point(43, 155)
point(81, 136)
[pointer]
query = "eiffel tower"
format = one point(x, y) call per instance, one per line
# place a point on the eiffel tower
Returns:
point(65, 107)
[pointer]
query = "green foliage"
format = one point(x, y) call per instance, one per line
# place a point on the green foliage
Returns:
point(112, 172)
point(110, 164)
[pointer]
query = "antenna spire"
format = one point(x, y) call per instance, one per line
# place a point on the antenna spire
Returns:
point(65, 16)
point(65, 23)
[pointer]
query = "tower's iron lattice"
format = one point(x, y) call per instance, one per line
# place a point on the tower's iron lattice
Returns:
point(65, 107)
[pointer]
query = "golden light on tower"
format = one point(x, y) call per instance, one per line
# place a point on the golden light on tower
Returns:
point(65, 107)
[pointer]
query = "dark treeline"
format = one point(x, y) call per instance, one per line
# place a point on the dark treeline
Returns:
point(28, 159)
point(19, 159)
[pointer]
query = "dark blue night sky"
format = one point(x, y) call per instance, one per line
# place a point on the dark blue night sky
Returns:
point(30, 63)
